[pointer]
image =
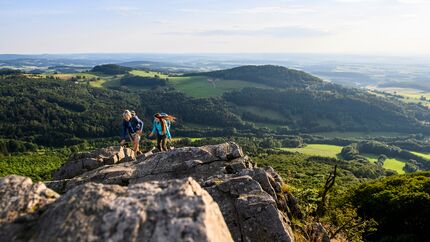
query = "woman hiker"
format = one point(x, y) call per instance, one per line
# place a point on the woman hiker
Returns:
point(161, 128)
point(132, 128)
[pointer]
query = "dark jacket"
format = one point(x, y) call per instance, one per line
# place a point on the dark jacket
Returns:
point(131, 126)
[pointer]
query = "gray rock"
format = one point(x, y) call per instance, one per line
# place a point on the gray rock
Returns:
point(176, 210)
point(250, 198)
point(250, 213)
point(80, 163)
point(20, 196)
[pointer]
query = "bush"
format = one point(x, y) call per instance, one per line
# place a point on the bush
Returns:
point(399, 204)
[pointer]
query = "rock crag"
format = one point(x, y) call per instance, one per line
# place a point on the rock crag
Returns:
point(201, 186)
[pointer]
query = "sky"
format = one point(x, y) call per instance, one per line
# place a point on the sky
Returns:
point(387, 27)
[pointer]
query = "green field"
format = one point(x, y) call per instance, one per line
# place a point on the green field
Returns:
point(333, 151)
point(318, 150)
point(201, 87)
point(395, 164)
point(411, 95)
point(148, 74)
point(390, 163)
point(424, 155)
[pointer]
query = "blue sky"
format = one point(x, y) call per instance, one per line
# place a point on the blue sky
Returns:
point(388, 27)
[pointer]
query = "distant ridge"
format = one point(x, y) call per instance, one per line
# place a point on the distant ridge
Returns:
point(271, 75)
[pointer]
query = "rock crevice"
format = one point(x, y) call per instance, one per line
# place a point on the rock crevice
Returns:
point(214, 186)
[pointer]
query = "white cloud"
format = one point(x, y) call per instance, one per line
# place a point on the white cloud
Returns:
point(276, 31)
point(413, 1)
point(124, 10)
point(296, 9)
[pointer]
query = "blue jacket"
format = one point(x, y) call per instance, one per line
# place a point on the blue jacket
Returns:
point(131, 126)
point(157, 129)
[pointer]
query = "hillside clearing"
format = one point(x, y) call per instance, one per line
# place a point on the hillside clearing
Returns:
point(318, 150)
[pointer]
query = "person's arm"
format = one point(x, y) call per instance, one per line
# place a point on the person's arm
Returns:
point(168, 131)
point(139, 125)
point(154, 129)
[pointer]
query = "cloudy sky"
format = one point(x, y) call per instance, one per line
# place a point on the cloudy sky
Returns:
point(390, 27)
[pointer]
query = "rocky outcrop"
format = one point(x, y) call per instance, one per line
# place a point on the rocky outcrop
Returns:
point(176, 210)
point(250, 199)
point(79, 163)
point(21, 197)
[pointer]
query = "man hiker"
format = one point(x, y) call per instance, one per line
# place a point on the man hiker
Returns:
point(161, 128)
point(132, 128)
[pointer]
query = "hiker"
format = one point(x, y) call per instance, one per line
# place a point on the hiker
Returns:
point(132, 128)
point(161, 128)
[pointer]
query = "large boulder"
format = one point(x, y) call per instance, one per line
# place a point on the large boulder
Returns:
point(250, 198)
point(82, 162)
point(19, 196)
point(175, 210)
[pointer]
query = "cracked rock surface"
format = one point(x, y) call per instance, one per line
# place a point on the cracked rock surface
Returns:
point(79, 163)
point(249, 199)
point(20, 196)
point(175, 210)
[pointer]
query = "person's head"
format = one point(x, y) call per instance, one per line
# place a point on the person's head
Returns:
point(133, 113)
point(157, 117)
point(127, 115)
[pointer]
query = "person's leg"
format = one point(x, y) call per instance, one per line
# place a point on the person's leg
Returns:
point(164, 142)
point(159, 142)
point(136, 142)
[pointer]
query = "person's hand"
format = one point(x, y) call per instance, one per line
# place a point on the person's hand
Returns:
point(150, 134)
point(122, 142)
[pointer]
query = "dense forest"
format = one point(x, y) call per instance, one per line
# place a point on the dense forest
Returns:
point(53, 112)
point(110, 69)
point(316, 110)
point(141, 81)
point(274, 76)
point(43, 120)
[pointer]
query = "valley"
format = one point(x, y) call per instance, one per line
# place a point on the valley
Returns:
point(298, 124)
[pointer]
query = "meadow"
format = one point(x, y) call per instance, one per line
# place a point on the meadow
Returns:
point(411, 95)
point(318, 150)
point(149, 74)
point(333, 151)
point(424, 155)
point(390, 163)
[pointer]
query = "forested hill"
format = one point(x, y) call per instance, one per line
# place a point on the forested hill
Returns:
point(55, 112)
point(298, 101)
point(275, 76)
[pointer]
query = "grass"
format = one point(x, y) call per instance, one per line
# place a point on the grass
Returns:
point(201, 87)
point(148, 74)
point(318, 150)
point(411, 95)
point(424, 155)
point(390, 163)
point(395, 164)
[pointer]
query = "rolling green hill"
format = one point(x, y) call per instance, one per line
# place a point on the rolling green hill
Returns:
point(248, 100)
point(274, 76)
